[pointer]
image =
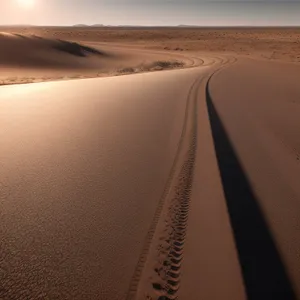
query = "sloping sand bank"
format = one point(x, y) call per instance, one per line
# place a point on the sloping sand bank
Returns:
point(32, 58)
point(36, 52)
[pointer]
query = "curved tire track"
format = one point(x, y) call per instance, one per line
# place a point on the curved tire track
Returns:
point(143, 257)
point(166, 235)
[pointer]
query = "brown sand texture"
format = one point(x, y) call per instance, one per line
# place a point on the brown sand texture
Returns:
point(31, 54)
point(226, 218)
point(31, 58)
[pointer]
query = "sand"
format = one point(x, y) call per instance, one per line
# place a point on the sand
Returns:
point(200, 167)
point(258, 105)
point(30, 54)
point(26, 58)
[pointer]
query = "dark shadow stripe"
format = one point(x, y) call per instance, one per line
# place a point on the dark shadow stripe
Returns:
point(264, 275)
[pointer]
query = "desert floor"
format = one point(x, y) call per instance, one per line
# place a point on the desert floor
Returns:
point(169, 184)
point(131, 50)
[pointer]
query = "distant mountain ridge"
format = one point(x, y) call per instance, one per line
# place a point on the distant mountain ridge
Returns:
point(80, 25)
point(135, 26)
point(85, 25)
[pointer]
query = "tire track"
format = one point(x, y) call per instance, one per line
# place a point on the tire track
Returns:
point(171, 248)
point(163, 249)
point(185, 169)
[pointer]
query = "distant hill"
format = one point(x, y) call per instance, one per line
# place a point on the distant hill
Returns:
point(182, 25)
point(85, 25)
point(80, 25)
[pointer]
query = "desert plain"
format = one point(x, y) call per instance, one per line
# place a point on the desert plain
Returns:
point(32, 54)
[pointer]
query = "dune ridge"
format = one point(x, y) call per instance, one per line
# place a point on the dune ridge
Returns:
point(33, 51)
point(27, 57)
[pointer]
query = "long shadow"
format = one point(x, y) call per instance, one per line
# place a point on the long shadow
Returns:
point(264, 275)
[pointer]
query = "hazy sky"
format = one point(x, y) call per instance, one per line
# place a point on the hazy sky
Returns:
point(151, 12)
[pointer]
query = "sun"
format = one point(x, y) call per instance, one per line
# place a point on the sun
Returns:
point(26, 3)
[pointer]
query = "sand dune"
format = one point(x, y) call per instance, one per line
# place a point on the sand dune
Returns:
point(32, 54)
point(267, 43)
point(178, 185)
point(32, 51)
point(29, 58)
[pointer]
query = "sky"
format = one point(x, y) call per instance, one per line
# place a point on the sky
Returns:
point(151, 12)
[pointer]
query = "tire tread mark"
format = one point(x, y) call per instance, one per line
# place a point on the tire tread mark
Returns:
point(180, 215)
point(142, 259)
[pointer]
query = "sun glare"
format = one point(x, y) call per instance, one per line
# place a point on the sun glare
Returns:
point(26, 3)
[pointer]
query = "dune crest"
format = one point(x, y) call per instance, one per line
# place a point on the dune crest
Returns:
point(37, 52)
